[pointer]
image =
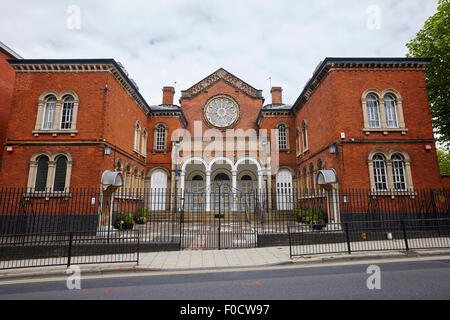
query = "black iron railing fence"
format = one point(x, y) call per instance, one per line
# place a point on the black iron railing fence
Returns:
point(358, 236)
point(68, 248)
point(208, 219)
point(153, 211)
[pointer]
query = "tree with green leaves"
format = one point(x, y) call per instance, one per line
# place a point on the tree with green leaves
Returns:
point(444, 161)
point(433, 41)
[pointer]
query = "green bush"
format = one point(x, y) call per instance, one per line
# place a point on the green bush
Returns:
point(141, 216)
point(311, 215)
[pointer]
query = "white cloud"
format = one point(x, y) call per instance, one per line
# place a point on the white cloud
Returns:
point(160, 42)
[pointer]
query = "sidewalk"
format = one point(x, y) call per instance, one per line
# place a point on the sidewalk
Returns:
point(215, 260)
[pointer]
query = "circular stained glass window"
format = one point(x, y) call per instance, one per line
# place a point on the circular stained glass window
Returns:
point(221, 112)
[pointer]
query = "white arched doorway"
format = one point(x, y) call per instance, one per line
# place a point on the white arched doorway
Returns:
point(158, 190)
point(285, 197)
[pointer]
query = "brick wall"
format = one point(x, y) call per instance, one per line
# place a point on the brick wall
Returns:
point(336, 107)
point(7, 77)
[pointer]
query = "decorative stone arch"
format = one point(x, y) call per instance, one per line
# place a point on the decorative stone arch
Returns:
point(304, 130)
point(320, 164)
point(298, 140)
point(58, 111)
point(52, 158)
point(137, 136)
point(127, 175)
point(118, 165)
point(144, 143)
point(312, 175)
point(250, 159)
point(225, 159)
point(243, 173)
point(388, 164)
point(194, 174)
point(407, 166)
point(189, 160)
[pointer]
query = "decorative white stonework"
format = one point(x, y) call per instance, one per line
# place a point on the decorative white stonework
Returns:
point(221, 74)
point(221, 112)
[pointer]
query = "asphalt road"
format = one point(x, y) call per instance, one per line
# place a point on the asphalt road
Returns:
point(424, 279)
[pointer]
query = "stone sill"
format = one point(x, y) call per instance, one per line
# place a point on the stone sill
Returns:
point(54, 133)
point(385, 131)
point(392, 193)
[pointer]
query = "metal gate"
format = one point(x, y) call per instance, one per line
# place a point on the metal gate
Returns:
point(217, 220)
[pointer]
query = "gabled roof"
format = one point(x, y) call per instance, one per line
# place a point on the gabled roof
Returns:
point(9, 51)
point(221, 74)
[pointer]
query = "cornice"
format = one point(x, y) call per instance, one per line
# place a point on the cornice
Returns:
point(357, 64)
point(83, 65)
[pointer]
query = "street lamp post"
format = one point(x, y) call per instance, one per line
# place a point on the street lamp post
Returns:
point(176, 145)
point(264, 143)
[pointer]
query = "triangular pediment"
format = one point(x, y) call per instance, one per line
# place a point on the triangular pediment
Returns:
point(218, 75)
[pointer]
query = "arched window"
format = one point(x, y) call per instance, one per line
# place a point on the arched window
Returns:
point(298, 139)
point(373, 112)
point(398, 172)
point(391, 111)
point(305, 135)
point(137, 135)
point(41, 173)
point(160, 137)
point(197, 178)
point(67, 112)
point(379, 172)
point(222, 177)
point(49, 112)
point(59, 183)
point(282, 137)
point(144, 143)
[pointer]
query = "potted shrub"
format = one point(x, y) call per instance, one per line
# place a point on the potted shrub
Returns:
point(141, 216)
point(319, 220)
point(124, 221)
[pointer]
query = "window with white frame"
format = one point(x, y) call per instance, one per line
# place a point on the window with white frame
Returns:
point(57, 113)
point(373, 112)
point(383, 111)
point(391, 111)
point(160, 137)
point(49, 112)
point(390, 170)
point(379, 172)
point(398, 172)
point(282, 137)
point(67, 112)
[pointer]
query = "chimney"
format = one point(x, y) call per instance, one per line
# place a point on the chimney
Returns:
point(276, 95)
point(168, 93)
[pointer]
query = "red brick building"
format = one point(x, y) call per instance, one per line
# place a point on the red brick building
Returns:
point(7, 77)
point(358, 123)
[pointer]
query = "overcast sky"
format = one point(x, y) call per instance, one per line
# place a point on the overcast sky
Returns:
point(163, 42)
